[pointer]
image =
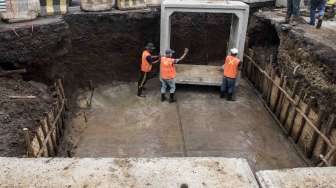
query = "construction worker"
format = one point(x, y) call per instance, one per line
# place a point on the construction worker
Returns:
point(318, 5)
point(168, 74)
point(293, 13)
point(147, 61)
point(230, 67)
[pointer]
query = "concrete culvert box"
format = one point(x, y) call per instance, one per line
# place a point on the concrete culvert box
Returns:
point(96, 5)
point(20, 10)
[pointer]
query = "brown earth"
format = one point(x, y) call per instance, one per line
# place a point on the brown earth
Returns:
point(16, 114)
point(303, 48)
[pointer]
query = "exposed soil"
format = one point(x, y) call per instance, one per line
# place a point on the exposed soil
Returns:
point(303, 47)
point(16, 114)
point(302, 53)
point(205, 34)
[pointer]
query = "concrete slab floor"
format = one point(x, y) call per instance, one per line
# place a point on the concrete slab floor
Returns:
point(200, 124)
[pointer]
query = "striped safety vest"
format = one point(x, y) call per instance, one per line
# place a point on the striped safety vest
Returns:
point(167, 68)
point(231, 67)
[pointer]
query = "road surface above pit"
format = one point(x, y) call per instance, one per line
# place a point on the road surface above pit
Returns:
point(200, 124)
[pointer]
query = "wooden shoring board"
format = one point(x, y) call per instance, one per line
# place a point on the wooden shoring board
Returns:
point(199, 74)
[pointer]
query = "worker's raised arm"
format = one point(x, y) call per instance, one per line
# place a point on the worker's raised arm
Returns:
point(186, 50)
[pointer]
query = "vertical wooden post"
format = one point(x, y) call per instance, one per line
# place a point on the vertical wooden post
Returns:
point(270, 87)
point(282, 96)
point(294, 91)
point(321, 116)
point(55, 123)
point(252, 74)
point(260, 81)
point(61, 88)
point(266, 81)
point(52, 138)
point(303, 122)
point(278, 93)
point(59, 124)
point(291, 122)
point(45, 131)
point(326, 132)
point(43, 150)
point(28, 142)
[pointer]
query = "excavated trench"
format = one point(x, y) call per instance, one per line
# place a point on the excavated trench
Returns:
point(103, 50)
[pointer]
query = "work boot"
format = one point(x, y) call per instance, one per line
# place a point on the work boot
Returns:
point(230, 97)
point(287, 19)
point(140, 93)
point(319, 22)
point(163, 97)
point(172, 98)
point(222, 95)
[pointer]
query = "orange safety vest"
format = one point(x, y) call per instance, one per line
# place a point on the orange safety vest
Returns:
point(231, 67)
point(167, 68)
point(145, 66)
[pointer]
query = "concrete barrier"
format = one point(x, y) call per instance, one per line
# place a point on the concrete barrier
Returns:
point(96, 5)
point(20, 10)
point(131, 4)
point(131, 172)
point(298, 177)
point(53, 7)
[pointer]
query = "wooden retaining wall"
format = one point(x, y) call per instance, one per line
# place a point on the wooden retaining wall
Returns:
point(307, 129)
point(46, 138)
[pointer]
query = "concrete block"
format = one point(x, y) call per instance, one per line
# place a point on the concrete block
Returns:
point(199, 74)
point(298, 178)
point(130, 172)
point(239, 10)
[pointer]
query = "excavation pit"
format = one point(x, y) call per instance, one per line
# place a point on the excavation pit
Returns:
point(200, 124)
point(104, 49)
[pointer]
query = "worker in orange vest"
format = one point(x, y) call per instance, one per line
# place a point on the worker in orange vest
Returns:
point(147, 61)
point(168, 74)
point(230, 67)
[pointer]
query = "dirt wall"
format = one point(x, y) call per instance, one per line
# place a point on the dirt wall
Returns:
point(313, 58)
point(34, 42)
point(205, 34)
point(306, 56)
point(16, 114)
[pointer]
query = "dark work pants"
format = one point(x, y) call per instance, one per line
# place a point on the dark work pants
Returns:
point(228, 85)
point(318, 5)
point(293, 8)
point(142, 81)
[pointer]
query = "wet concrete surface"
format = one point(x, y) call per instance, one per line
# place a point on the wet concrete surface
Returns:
point(200, 124)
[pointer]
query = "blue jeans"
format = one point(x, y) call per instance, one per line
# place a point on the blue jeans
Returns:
point(171, 83)
point(320, 6)
point(228, 85)
point(293, 8)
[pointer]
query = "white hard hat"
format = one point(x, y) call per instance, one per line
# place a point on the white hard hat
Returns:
point(234, 51)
